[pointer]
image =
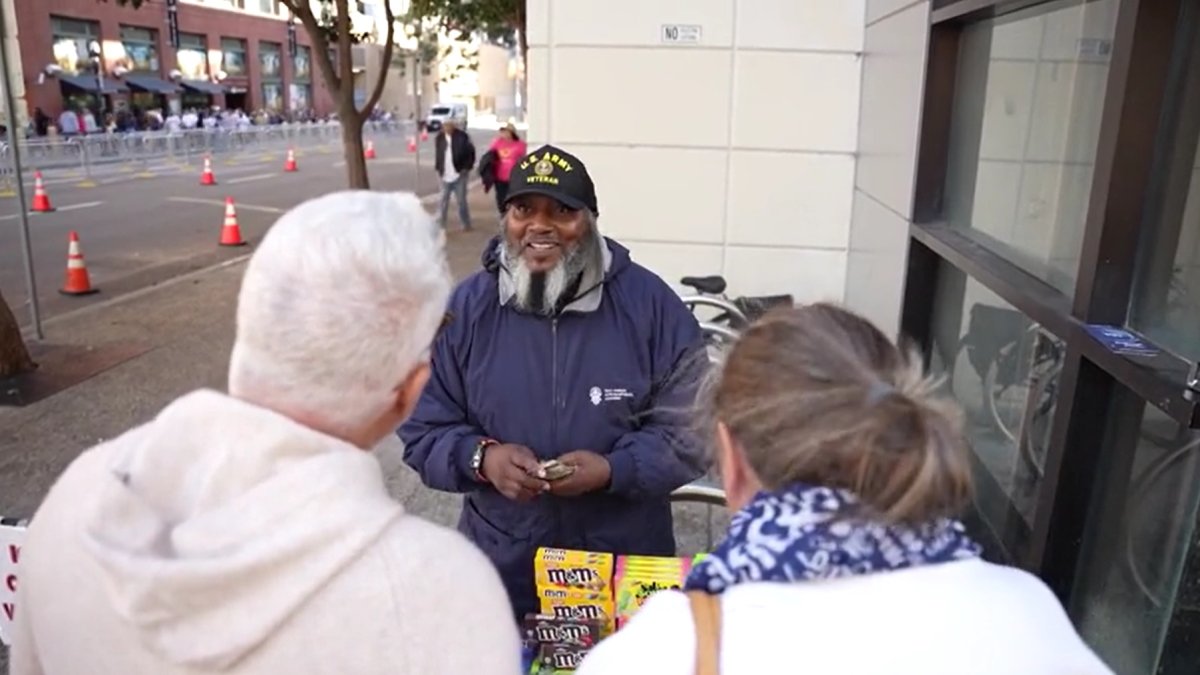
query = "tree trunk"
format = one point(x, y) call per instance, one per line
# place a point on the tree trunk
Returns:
point(352, 146)
point(14, 357)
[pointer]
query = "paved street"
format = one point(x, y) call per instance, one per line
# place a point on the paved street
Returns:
point(141, 225)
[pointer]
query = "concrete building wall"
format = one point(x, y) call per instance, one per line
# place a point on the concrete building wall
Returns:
point(212, 21)
point(893, 77)
point(734, 154)
point(397, 95)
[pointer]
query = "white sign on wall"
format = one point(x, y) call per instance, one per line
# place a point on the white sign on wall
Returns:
point(11, 538)
point(679, 33)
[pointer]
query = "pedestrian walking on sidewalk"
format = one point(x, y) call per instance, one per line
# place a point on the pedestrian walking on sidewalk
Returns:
point(846, 467)
point(560, 348)
point(252, 532)
point(509, 149)
point(454, 157)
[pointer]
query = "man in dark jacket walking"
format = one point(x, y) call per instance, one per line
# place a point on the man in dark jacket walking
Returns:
point(455, 170)
point(561, 347)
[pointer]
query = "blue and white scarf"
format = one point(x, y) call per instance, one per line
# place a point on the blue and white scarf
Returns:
point(805, 533)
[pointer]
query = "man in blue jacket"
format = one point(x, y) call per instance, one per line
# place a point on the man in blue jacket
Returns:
point(561, 347)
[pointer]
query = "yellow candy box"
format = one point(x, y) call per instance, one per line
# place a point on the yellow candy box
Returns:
point(564, 568)
point(579, 605)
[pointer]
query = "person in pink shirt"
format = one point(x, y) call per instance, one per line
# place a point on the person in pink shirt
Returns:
point(509, 148)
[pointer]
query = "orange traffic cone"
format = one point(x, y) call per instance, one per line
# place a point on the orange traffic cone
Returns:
point(231, 234)
point(77, 281)
point(424, 134)
point(369, 153)
point(41, 200)
point(412, 144)
point(290, 164)
point(207, 177)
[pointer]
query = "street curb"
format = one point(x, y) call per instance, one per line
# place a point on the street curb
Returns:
point(146, 290)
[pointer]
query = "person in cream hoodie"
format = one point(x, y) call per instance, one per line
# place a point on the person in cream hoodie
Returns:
point(251, 532)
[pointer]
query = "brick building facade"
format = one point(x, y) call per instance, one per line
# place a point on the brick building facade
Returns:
point(232, 54)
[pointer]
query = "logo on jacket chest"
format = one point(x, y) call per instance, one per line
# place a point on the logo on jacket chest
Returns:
point(598, 395)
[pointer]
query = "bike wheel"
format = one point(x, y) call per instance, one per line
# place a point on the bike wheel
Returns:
point(1021, 404)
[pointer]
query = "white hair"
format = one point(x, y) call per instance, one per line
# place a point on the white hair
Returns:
point(338, 305)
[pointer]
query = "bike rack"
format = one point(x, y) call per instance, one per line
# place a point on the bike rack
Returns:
point(697, 493)
point(727, 334)
point(691, 301)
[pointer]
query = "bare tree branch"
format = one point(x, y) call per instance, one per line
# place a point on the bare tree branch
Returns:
point(386, 61)
point(345, 56)
point(301, 10)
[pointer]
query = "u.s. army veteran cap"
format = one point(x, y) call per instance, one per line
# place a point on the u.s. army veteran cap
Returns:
point(555, 173)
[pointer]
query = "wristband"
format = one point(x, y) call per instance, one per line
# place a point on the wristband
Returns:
point(477, 458)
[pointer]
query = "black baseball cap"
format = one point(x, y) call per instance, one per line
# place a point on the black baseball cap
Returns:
point(555, 173)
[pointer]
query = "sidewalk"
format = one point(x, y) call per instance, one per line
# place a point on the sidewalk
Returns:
point(180, 334)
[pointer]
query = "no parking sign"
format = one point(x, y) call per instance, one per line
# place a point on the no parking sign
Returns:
point(12, 535)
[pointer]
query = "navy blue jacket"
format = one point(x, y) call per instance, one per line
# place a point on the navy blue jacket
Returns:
point(614, 373)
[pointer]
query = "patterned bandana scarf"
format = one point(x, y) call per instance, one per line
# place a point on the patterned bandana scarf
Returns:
point(795, 534)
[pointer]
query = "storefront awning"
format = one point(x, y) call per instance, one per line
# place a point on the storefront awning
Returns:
point(88, 83)
point(203, 87)
point(151, 84)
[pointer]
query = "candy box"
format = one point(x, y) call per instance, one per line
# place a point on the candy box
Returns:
point(579, 605)
point(562, 657)
point(639, 577)
point(563, 568)
point(547, 629)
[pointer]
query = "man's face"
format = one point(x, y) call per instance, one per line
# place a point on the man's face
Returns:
point(542, 230)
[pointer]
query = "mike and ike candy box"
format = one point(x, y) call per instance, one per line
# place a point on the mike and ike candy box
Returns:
point(639, 577)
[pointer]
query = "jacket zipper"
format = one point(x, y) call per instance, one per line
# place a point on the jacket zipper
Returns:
point(554, 380)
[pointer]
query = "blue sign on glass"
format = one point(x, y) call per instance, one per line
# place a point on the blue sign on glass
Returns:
point(1122, 341)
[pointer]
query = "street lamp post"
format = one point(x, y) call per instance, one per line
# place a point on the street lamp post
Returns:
point(97, 59)
point(14, 133)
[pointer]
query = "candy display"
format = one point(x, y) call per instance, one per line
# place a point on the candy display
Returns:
point(639, 577)
point(585, 596)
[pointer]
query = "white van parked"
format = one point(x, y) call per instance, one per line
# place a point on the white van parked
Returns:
point(444, 111)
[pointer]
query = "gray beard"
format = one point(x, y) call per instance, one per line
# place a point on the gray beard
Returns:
point(541, 292)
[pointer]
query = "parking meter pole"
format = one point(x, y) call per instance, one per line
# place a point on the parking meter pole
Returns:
point(417, 115)
point(10, 103)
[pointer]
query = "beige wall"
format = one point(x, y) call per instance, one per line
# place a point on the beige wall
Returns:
point(733, 156)
point(496, 88)
point(893, 79)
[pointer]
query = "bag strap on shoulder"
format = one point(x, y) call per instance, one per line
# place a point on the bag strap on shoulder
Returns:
point(706, 613)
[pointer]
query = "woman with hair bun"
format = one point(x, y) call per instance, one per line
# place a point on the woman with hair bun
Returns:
point(846, 471)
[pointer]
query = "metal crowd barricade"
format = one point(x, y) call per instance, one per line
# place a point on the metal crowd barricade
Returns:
point(141, 148)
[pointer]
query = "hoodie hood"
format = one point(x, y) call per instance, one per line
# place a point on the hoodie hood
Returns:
point(615, 261)
point(219, 519)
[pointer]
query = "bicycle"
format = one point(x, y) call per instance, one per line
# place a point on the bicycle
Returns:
point(732, 315)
